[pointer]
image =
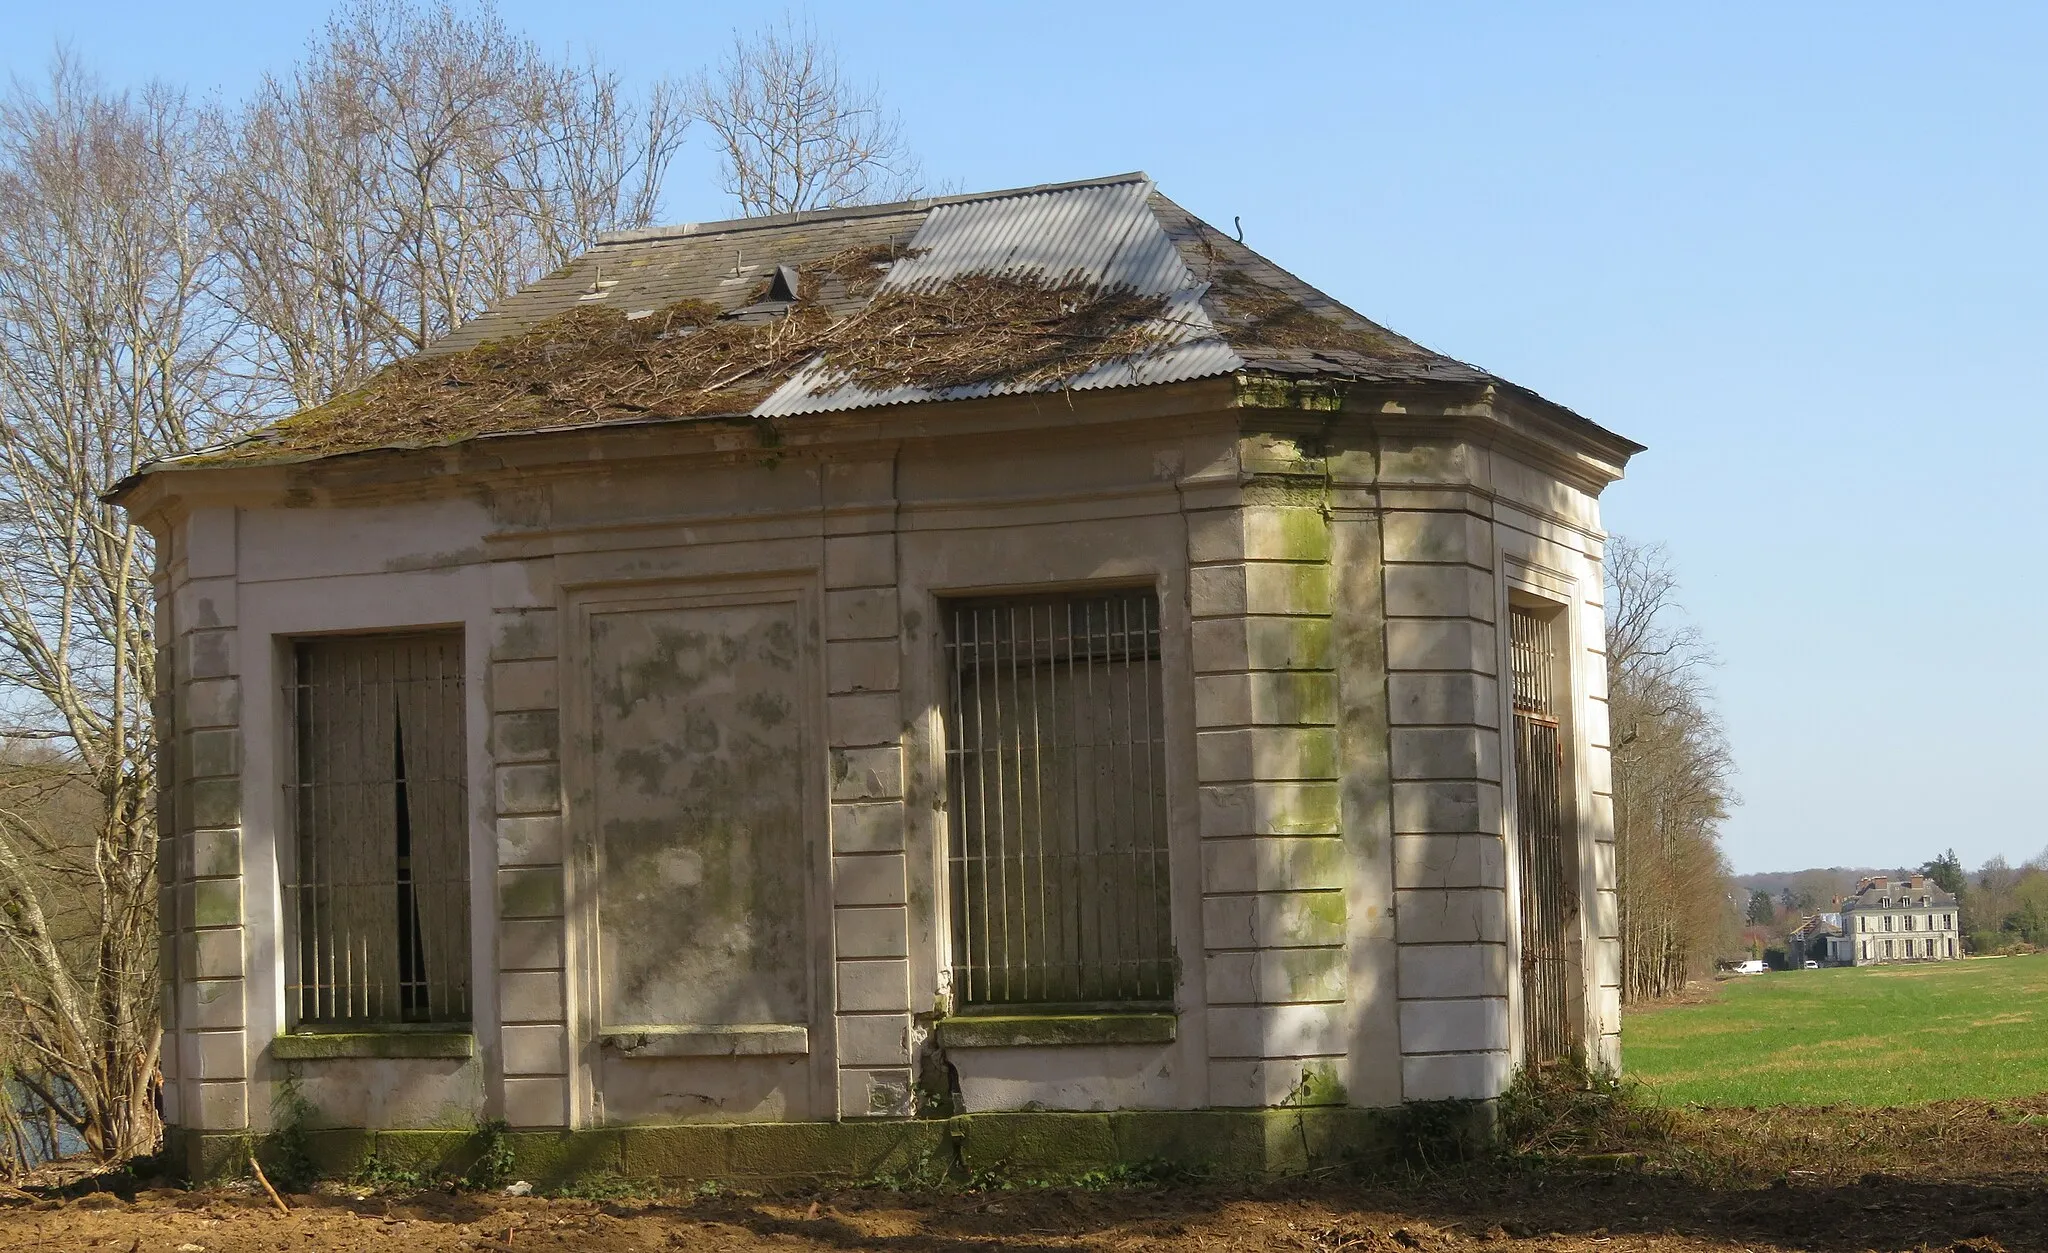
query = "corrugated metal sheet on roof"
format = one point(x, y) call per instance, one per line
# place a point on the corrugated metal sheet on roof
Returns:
point(1103, 234)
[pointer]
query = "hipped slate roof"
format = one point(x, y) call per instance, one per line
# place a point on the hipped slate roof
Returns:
point(1194, 303)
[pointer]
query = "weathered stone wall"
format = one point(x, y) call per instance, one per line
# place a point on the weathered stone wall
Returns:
point(1032, 514)
point(405, 565)
point(1332, 598)
point(528, 962)
point(1274, 877)
point(871, 914)
point(205, 1060)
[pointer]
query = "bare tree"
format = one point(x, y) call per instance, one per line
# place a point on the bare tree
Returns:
point(110, 344)
point(794, 132)
point(1672, 773)
point(415, 166)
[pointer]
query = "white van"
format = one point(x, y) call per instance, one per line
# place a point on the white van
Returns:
point(1750, 967)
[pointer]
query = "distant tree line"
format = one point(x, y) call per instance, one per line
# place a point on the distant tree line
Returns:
point(1672, 779)
point(2004, 907)
point(175, 271)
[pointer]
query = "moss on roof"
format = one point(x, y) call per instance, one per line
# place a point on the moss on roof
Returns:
point(695, 323)
point(598, 364)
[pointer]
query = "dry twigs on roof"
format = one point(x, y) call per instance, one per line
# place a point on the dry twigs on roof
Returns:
point(598, 364)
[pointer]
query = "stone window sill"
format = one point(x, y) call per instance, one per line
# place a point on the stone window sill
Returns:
point(994, 1031)
point(743, 1040)
point(394, 1042)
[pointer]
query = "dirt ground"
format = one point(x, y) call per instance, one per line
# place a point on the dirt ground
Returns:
point(1963, 1177)
point(1566, 1212)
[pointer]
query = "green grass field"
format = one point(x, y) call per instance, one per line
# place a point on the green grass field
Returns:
point(1881, 1035)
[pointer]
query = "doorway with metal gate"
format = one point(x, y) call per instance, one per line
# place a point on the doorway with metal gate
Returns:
point(1544, 845)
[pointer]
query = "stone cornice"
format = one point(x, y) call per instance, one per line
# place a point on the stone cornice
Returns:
point(1484, 415)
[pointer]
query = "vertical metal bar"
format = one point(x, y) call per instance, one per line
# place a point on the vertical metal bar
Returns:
point(331, 929)
point(1047, 974)
point(1031, 833)
point(1127, 813)
point(1078, 713)
point(1004, 740)
point(984, 747)
point(1155, 983)
point(961, 819)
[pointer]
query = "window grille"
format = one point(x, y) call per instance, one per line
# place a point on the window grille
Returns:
point(1056, 773)
point(378, 887)
point(1549, 901)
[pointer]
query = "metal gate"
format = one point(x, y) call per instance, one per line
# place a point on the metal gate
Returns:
point(1549, 898)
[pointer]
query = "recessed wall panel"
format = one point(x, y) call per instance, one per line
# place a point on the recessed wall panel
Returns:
point(697, 793)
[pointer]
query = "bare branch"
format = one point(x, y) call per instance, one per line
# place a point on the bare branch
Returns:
point(415, 166)
point(1672, 776)
point(794, 133)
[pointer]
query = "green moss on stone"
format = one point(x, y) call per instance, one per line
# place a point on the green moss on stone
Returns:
point(1266, 391)
point(1035, 1147)
point(1307, 974)
point(1309, 586)
point(1317, 755)
point(328, 1045)
point(1315, 918)
point(1034, 1030)
point(215, 802)
point(336, 1152)
point(1295, 697)
point(685, 1152)
point(552, 1160)
point(1274, 643)
point(425, 1154)
point(862, 1149)
point(1319, 1086)
point(1305, 534)
point(1314, 863)
point(217, 903)
point(1043, 1147)
point(1302, 809)
point(530, 893)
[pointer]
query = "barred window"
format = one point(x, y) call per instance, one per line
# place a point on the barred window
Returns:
point(1056, 771)
point(1545, 850)
point(378, 887)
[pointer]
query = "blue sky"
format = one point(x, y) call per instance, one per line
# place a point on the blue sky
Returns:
point(1796, 250)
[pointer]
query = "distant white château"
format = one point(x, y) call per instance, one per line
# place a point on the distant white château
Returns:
point(1894, 920)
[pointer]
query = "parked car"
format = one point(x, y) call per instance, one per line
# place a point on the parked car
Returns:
point(1813, 965)
point(1754, 966)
